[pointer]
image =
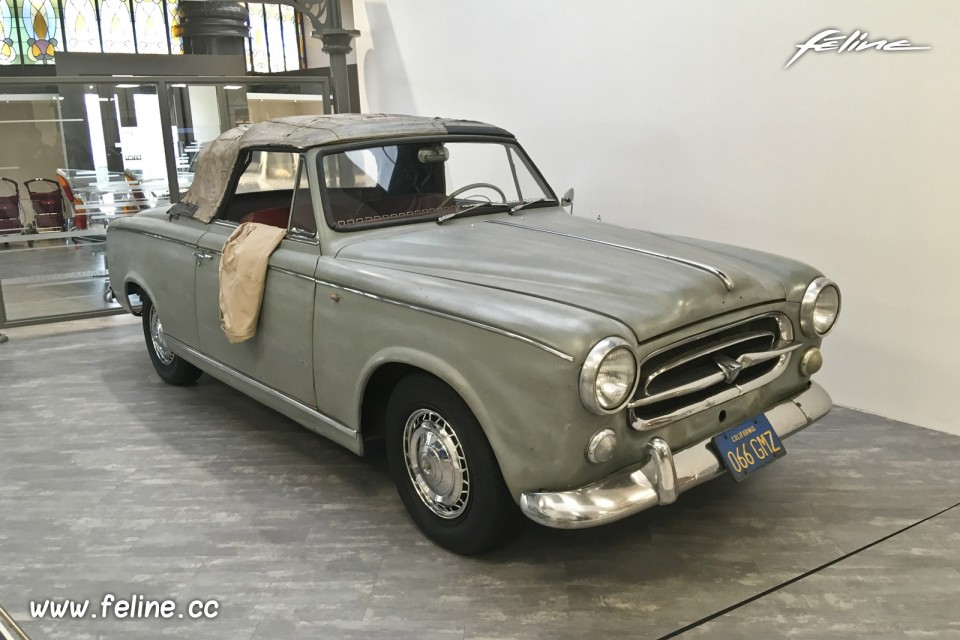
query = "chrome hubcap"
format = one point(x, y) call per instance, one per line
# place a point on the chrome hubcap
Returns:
point(435, 463)
point(164, 354)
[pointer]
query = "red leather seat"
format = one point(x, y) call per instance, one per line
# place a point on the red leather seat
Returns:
point(276, 217)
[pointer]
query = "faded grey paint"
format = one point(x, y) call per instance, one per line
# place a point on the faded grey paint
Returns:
point(563, 293)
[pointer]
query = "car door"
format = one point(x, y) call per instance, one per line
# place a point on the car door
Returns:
point(280, 355)
point(170, 262)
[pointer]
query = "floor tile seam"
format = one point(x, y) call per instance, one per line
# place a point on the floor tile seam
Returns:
point(802, 576)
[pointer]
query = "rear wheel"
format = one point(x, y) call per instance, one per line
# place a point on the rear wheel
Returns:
point(170, 367)
point(445, 471)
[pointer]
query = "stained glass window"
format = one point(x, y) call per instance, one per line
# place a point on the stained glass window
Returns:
point(151, 27)
point(258, 39)
point(39, 38)
point(275, 38)
point(31, 31)
point(9, 43)
point(116, 26)
point(80, 22)
point(291, 41)
point(173, 17)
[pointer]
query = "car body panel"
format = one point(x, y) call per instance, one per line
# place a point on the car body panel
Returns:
point(504, 309)
point(160, 247)
point(650, 294)
point(280, 355)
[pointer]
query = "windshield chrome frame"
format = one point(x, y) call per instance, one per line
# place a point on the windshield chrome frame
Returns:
point(327, 150)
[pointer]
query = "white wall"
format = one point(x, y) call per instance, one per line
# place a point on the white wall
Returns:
point(679, 117)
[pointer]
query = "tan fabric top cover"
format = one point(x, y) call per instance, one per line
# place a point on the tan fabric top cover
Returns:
point(243, 270)
point(214, 166)
point(218, 158)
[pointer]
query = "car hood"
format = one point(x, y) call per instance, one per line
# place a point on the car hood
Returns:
point(650, 283)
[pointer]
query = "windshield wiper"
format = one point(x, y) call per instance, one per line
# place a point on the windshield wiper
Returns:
point(472, 207)
point(527, 203)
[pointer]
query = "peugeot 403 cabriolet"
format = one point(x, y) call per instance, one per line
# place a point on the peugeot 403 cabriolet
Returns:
point(432, 291)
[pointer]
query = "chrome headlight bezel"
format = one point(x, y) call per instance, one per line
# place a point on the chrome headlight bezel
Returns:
point(809, 305)
point(590, 371)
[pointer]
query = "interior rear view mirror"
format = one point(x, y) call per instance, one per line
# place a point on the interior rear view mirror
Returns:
point(431, 155)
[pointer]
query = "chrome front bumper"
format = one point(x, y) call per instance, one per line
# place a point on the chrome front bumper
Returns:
point(662, 477)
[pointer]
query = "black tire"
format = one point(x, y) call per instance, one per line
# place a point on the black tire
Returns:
point(171, 368)
point(482, 514)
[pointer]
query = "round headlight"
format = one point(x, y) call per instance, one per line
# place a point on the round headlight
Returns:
point(608, 377)
point(819, 308)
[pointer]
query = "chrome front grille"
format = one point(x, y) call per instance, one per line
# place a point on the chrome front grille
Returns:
point(700, 372)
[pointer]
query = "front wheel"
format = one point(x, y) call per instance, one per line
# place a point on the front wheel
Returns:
point(445, 471)
point(170, 367)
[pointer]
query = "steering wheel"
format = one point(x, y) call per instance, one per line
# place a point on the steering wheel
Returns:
point(473, 185)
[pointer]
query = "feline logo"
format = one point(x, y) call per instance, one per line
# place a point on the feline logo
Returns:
point(833, 39)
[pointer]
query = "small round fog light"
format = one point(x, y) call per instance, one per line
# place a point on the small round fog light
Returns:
point(811, 362)
point(601, 446)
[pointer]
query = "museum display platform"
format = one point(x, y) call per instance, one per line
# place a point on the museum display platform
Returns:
point(113, 482)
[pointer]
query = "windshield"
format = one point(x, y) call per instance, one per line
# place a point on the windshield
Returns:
point(425, 180)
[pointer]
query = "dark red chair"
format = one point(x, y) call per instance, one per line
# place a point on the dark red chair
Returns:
point(10, 210)
point(277, 217)
point(47, 205)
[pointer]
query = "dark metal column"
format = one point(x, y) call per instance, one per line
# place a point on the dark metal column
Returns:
point(213, 27)
point(169, 150)
point(327, 22)
point(3, 319)
point(338, 43)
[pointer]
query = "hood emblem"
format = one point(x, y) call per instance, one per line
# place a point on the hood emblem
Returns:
point(730, 367)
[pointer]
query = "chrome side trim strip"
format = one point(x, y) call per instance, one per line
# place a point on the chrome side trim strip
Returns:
point(291, 273)
point(158, 237)
point(724, 278)
point(279, 395)
point(447, 316)
point(435, 313)
point(662, 475)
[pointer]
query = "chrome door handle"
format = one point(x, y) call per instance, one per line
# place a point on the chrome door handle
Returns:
point(203, 255)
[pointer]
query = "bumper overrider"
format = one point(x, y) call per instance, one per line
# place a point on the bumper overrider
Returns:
point(662, 477)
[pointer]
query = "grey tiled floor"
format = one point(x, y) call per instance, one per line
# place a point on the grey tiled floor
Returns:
point(112, 482)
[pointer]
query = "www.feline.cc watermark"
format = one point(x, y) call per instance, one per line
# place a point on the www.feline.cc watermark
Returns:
point(836, 40)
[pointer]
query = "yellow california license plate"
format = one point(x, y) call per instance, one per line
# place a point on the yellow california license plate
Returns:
point(749, 446)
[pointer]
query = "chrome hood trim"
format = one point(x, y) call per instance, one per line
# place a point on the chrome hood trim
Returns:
point(724, 278)
point(649, 295)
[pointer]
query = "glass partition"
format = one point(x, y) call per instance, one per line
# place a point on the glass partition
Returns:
point(81, 152)
point(75, 157)
point(251, 103)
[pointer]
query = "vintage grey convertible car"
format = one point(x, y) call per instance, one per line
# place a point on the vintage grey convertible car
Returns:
point(431, 291)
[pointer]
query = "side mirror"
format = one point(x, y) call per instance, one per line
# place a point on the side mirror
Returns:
point(567, 199)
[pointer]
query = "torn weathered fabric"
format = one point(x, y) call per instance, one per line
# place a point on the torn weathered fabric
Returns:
point(243, 271)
